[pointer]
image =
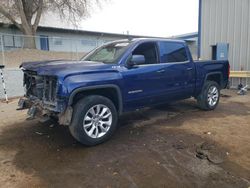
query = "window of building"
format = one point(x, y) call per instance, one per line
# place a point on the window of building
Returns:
point(107, 41)
point(88, 42)
point(57, 41)
point(173, 52)
point(8, 40)
point(13, 41)
point(18, 41)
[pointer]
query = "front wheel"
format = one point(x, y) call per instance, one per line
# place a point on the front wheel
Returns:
point(94, 120)
point(209, 96)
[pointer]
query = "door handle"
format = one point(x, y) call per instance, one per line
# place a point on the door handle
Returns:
point(189, 69)
point(161, 71)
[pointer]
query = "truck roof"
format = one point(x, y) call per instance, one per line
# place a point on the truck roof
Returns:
point(150, 40)
point(158, 39)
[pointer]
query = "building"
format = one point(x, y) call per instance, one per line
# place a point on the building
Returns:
point(70, 40)
point(58, 39)
point(224, 33)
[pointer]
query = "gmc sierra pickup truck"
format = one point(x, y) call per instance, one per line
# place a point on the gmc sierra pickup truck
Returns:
point(89, 95)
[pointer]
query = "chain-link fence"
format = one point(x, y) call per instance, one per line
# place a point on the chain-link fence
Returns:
point(16, 49)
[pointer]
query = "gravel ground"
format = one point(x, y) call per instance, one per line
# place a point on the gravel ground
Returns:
point(175, 145)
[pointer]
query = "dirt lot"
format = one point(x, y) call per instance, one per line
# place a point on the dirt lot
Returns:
point(174, 145)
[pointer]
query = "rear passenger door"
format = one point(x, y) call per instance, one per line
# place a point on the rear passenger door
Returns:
point(180, 71)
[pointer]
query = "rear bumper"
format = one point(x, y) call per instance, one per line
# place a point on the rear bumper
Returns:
point(226, 84)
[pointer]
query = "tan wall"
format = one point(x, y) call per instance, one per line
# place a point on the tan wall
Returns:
point(12, 59)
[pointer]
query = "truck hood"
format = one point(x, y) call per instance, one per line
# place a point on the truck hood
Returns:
point(64, 68)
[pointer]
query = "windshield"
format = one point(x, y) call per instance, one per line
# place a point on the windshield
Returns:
point(109, 53)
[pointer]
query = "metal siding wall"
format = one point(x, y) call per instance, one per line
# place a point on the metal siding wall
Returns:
point(227, 21)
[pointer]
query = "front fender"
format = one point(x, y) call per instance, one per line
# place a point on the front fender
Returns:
point(89, 88)
point(74, 82)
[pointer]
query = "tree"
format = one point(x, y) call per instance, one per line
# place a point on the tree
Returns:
point(26, 14)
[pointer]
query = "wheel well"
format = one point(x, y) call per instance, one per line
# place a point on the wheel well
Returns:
point(215, 77)
point(110, 93)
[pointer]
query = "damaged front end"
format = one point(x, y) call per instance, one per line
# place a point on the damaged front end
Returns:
point(41, 98)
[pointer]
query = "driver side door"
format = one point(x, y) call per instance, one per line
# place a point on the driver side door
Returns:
point(143, 84)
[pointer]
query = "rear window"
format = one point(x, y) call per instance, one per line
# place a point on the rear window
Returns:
point(172, 52)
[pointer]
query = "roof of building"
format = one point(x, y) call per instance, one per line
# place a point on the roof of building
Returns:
point(78, 31)
point(189, 37)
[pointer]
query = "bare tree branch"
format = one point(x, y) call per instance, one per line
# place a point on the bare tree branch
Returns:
point(29, 12)
point(10, 17)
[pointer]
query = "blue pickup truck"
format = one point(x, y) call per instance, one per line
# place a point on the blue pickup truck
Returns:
point(90, 94)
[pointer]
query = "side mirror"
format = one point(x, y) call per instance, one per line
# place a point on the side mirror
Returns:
point(136, 60)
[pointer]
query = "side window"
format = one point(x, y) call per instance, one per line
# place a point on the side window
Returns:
point(149, 51)
point(172, 52)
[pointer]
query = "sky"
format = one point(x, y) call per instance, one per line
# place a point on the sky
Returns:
point(159, 18)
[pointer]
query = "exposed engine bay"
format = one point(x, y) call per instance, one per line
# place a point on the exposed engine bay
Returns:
point(41, 97)
point(40, 87)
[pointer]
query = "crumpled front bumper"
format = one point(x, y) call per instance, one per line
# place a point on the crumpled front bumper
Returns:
point(36, 107)
point(39, 109)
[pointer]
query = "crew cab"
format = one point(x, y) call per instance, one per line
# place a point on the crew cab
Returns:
point(90, 94)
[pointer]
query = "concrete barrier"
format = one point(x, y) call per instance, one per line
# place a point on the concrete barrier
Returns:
point(14, 83)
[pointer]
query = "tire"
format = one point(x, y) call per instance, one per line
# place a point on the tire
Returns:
point(89, 126)
point(209, 96)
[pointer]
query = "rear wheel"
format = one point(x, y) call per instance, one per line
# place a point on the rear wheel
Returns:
point(94, 120)
point(209, 96)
